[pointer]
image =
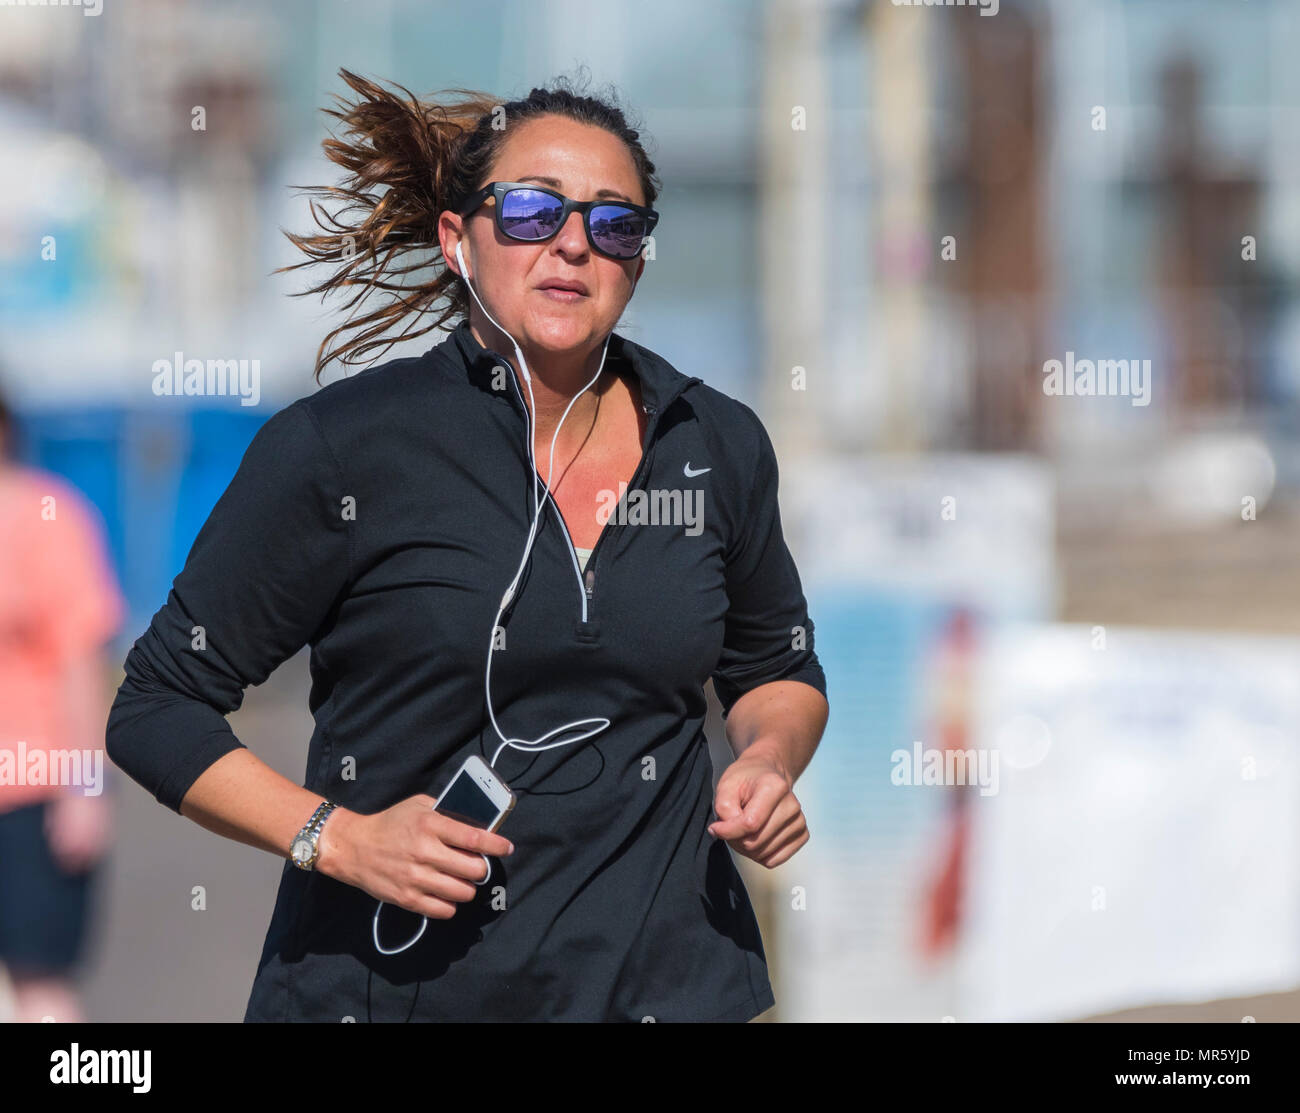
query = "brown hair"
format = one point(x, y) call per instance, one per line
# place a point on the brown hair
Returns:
point(428, 156)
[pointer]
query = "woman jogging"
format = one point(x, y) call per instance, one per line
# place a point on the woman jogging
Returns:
point(534, 544)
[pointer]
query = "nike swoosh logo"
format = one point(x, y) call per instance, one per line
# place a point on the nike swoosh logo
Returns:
point(691, 473)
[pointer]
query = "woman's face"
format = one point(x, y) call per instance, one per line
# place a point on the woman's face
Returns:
point(576, 160)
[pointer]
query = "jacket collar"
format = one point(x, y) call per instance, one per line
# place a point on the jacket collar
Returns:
point(660, 381)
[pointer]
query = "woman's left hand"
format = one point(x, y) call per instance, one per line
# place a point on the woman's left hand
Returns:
point(758, 814)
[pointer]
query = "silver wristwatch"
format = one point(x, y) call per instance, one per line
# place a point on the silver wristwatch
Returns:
point(305, 847)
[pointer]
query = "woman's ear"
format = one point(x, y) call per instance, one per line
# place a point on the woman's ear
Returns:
point(457, 233)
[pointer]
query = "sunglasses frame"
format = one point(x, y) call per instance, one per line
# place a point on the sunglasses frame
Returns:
point(498, 190)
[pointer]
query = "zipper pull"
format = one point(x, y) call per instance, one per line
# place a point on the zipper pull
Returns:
point(590, 579)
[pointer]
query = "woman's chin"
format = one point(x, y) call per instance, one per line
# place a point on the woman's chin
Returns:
point(560, 330)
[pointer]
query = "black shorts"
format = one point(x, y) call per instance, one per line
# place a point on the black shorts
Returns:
point(43, 910)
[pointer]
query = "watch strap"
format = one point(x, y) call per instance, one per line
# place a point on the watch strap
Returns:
point(311, 830)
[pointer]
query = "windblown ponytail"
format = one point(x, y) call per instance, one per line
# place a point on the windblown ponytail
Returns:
point(407, 160)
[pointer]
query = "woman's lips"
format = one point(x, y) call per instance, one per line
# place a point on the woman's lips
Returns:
point(555, 293)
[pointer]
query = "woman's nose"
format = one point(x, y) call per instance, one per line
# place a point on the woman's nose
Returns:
point(572, 236)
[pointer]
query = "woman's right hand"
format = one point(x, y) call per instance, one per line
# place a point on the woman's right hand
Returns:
point(409, 855)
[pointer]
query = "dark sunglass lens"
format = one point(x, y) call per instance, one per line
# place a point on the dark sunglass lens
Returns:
point(529, 214)
point(618, 231)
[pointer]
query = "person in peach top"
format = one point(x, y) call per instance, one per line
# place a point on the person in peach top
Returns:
point(59, 605)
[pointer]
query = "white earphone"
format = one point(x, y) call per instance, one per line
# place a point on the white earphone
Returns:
point(589, 727)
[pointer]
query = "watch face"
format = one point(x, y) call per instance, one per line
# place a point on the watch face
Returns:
point(302, 851)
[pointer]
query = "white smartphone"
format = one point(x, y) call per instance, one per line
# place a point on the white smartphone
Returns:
point(477, 796)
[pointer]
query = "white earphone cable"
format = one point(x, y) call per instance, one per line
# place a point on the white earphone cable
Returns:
point(589, 727)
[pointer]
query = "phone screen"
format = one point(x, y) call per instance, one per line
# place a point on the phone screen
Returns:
point(464, 800)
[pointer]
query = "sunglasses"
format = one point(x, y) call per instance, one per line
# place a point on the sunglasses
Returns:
point(534, 214)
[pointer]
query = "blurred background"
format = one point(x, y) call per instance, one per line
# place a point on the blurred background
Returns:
point(907, 236)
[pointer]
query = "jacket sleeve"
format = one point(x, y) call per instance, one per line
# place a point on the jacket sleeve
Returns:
point(768, 634)
point(264, 572)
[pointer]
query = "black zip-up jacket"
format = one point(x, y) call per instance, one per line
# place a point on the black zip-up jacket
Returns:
point(379, 520)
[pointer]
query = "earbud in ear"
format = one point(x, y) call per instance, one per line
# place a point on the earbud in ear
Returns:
point(464, 270)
